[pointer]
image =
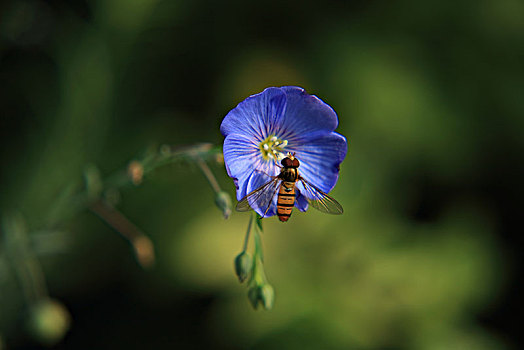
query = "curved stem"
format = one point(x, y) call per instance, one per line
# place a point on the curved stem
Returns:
point(246, 239)
point(141, 244)
point(259, 275)
point(23, 260)
point(207, 173)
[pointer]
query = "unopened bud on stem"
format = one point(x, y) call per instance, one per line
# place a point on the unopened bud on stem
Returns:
point(243, 264)
point(223, 202)
point(135, 170)
point(144, 251)
point(254, 296)
point(262, 294)
point(267, 296)
point(49, 321)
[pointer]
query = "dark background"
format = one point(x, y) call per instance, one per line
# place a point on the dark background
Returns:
point(428, 93)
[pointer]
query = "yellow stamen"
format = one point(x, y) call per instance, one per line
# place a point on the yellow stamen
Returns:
point(273, 148)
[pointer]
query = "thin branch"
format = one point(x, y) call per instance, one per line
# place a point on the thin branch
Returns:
point(246, 239)
point(142, 245)
point(23, 260)
point(207, 173)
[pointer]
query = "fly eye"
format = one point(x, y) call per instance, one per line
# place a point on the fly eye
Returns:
point(286, 162)
point(296, 163)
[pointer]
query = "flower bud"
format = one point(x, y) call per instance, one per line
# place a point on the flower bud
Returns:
point(144, 251)
point(223, 202)
point(135, 171)
point(267, 296)
point(254, 296)
point(219, 158)
point(49, 321)
point(243, 264)
point(263, 294)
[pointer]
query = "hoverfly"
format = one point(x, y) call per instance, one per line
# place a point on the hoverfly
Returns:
point(285, 183)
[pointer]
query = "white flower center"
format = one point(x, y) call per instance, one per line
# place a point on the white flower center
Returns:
point(273, 148)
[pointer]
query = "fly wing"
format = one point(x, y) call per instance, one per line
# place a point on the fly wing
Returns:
point(320, 200)
point(260, 198)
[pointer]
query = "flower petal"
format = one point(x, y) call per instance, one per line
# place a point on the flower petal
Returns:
point(255, 116)
point(240, 155)
point(320, 159)
point(304, 114)
point(301, 201)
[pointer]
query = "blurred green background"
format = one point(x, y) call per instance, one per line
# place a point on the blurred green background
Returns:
point(429, 95)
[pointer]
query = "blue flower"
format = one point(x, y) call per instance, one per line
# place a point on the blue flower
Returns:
point(266, 126)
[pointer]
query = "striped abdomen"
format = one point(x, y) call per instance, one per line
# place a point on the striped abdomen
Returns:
point(286, 200)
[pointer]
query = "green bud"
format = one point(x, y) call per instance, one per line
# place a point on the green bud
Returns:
point(49, 321)
point(223, 202)
point(254, 296)
point(267, 296)
point(135, 171)
point(243, 264)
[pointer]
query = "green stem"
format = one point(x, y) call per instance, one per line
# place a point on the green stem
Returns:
point(207, 173)
point(259, 275)
point(246, 239)
point(142, 245)
point(76, 199)
point(23, 260)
